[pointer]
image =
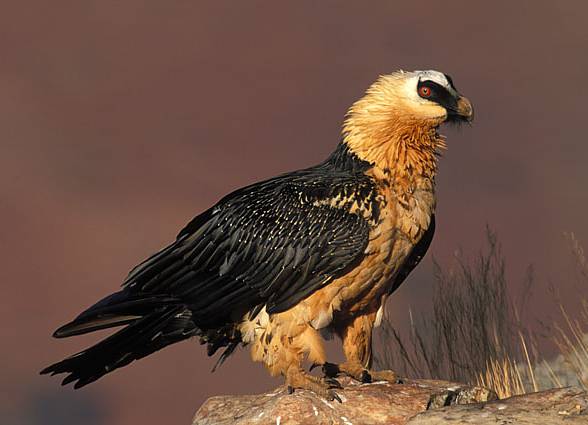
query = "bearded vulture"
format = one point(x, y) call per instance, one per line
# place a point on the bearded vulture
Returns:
point(276, 264)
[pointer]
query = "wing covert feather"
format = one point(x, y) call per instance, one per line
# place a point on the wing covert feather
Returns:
point(272, 244)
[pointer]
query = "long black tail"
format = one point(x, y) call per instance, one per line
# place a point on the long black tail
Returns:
point(152, 322)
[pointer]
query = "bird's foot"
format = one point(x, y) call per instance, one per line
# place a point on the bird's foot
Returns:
point(325, 387)
point(360, 373)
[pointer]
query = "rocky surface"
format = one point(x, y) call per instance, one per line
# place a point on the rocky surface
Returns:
point(375, 403)
point(420, 402)
point(552, 407)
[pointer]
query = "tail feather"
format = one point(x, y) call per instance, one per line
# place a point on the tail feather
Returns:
point(120, 308)
point(150, 327)
point(83, 327)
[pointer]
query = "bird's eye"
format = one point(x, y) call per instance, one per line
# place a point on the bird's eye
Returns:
point(424, 91)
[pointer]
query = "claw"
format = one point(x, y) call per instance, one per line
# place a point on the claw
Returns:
point(330, 369)
point(333, 383)
point(334, 396)
point(290, 389)
point(365, 377)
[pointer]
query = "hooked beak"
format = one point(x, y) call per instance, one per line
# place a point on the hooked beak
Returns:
point(465, 110)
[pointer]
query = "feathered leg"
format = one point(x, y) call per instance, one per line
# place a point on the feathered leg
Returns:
point(283, 346)
point(288, 358)
point(357, 346)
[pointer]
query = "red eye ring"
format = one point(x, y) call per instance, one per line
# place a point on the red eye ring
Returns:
point(424, 91)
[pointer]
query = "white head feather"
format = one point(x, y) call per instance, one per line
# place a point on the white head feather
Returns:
point(413, 78)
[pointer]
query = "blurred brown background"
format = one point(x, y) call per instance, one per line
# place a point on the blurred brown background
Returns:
point(120, 120)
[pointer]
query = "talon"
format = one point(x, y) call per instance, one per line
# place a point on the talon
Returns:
point(365, 377)
point(330, 369)
point(399, 381)
point(334, 396)
point(333, 383)
point(290, 389)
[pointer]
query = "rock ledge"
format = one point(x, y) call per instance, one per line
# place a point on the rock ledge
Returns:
point(415, 402)
point(375, 403)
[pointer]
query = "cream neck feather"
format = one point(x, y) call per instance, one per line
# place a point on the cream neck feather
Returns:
point(387, 130)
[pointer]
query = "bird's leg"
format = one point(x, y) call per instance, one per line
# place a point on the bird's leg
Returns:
point(283, 351)
point(323, 387)
point(357, 346)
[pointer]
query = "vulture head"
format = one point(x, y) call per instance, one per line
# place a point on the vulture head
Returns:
point(396, 121)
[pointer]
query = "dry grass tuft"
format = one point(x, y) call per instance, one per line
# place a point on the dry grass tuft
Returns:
point(572, 342)
point(503, 377)
point(475, 333)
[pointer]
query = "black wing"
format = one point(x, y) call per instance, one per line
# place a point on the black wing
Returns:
point(272, 244)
